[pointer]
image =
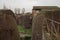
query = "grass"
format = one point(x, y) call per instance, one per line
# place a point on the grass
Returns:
point(21, 29)
point(28, 31)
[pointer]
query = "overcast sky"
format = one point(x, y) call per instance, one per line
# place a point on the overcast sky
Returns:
point(28, 4)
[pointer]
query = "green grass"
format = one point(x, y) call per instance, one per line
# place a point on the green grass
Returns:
point(21, 29)
point(28, 31)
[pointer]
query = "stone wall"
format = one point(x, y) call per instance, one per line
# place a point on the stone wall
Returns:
point(8, 26)
point(39, 21)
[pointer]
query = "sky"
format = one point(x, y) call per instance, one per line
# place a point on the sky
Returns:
point(28, 4)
